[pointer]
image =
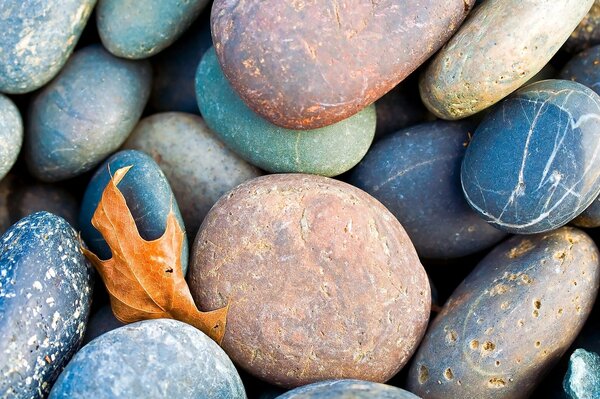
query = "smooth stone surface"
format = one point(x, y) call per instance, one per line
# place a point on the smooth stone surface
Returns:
point(582, 380)
point(415, 173)
point(327, 151)
point(148, 196)
point(534, 164)
point(587, 33)
point(324, 282)
point(197, 164)
point(131, 29)
point(500, 47)
point(347, 389)
point(510, 320)
point(29, 198)
point(150, 359)
point(36, 39)
point(45, 297)
point(400, 108)
point(11, 134)
point(100, 323)
point(85, 114)
point(308, 64)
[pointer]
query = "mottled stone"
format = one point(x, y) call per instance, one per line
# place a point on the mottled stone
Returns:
point(399, 108)
point(533, 163)
point(28, 198)
point(85, 114)
point(36, 39)
point(45, 295)
point(324, 283)
point(101, 322)
point(150, 359)
point(197, 164)
point(11, 134)
point(415, 173)
point(499, 48)
point(148, 196)
point(309, 64)
point(131, 29)
point(327, 151)
point(348, 389)
point(583, 377)
point(510, 320)
point(587, 33)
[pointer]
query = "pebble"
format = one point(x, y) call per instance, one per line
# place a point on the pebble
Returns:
point(584, 68)
point(347, 389)
point(583, 377)
point(587, 33)
point(11, 133)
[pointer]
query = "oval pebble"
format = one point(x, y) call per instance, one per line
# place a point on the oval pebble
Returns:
point(150, 359)
point(45, 296)
point(328, 151)
point(85, 114)
point(347, 389)
point(534, 162)
point(11, 134)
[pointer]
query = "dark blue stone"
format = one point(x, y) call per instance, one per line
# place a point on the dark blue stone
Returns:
point(534, 162)
point(45, 295)
point(11, 134)
point(584, 68)
point(150, 359)
point(85, 114)
point(415, 173)
point(101, 322)
point(148, 196)
point(582, 380)
point(347, 389)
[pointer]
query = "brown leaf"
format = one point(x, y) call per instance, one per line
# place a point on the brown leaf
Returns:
point(144, 278)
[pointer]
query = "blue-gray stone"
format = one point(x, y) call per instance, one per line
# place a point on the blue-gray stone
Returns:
point(45, 296)
point(11, 134)
point(85, 114)
point(347, 389)
point(150, 359)
point(101, 322)
point(131, 29)
point(148, 195)
point(582, 380)
point(415, 173)
point(36, 39)
point(534, 162)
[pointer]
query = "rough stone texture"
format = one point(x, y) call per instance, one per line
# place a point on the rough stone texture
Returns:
point(327, 151)
point(45, 296)
point(347, 389)
point(150, 359)
point(36, 39)
point(85, 114)
point(587, 33)
point(510, 320)
point(534, 162)
point(131, 29)
point(499, 48)
point(197, 164)
point(29, 198)
point(583, 377)
point(415, 173)
point(11, 133)
point(101, 322)
point(309, 64)
point(148, 196)
point(323, 281)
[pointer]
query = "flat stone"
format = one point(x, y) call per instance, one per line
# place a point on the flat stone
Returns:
point(45, 296)
point(347, 389)
point(309, 64)
point(500, 47)
point(533, 163)
point(582, 380)
point(85, 114)
point(587, 33)
point(327, 151)
point(11, 134)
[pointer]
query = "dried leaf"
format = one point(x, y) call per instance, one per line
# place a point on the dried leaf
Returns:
point(144, 278)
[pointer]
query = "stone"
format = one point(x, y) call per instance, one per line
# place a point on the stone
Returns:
point(587, 33)
point(500, 47)
point(533, 164)
point(197, 164)
point(415, 173)
point(28, 198)
point(36, 39)
point(327, 151)
point(583, 377)
point(323, 281)
point(148, 196)
point(100, 323)
point(11, 134)
point(45, 296)
point(400, 108)
point(584, 68)
point(347, 389)
point(308, 64)
point(496, 336)
point(131, 30)
point(85, 114)
point(150, 359)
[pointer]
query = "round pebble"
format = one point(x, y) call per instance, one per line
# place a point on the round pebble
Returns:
point(11, 134)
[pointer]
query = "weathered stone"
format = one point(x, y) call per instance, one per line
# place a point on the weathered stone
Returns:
point(11, 134)
point(347, 389)
point(583, 377)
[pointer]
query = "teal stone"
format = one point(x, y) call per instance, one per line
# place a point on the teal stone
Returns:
point(11, 134)
point(327, 151)
point(133, 29)
point(583, 377)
